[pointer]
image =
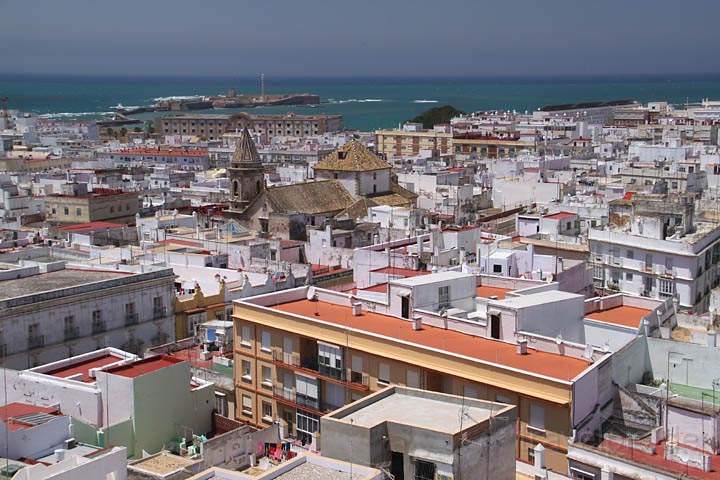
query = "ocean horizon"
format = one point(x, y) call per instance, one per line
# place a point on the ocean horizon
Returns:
point(366, 103)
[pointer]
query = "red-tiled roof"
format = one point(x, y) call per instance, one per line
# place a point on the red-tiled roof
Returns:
point(494, 351)
point(90, 226)
point(487, 292)
point(658, 460)
point(401, 272)
point(141, 367)
point(10, 412)
point(622, 315)
point(561, 215)
point(83, 368)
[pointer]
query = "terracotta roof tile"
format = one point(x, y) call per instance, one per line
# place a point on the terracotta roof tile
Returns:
point(352, 157)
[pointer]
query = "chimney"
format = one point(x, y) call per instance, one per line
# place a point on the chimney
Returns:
point(356, 309)
point(417, 322)
point(522, 347)
point(539, 451)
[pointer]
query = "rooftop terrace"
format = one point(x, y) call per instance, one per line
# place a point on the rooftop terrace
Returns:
point(486, 350)
point(45, 282)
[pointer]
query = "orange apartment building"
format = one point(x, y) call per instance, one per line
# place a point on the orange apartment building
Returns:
point(303, 352)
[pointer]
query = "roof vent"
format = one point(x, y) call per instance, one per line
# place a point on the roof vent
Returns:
point(522, 347)
point(417, 322)
point(357, 309)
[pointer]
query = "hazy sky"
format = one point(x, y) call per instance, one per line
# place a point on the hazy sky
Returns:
point(362, 37)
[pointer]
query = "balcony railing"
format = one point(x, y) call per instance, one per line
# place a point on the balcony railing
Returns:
point(131, 319)
point(336, 373)
point(286, 358)
point(291, 395)
point(71, 333)
point(360, 378)
point(306, 401)
point(36, 341)
point(159, 313)
point(285, 393)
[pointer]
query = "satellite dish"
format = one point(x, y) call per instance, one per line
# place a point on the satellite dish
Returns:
point(311, 294)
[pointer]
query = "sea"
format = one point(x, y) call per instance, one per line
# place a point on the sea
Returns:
point(366, 103)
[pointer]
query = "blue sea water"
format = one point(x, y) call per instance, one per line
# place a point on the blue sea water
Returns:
point(365, 103)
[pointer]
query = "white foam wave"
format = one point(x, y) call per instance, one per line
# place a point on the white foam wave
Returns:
point(356, 100)
point(74, 114)
point(177, 97)
point(425, 101)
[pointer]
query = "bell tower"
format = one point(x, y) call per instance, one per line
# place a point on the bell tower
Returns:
point(246, 176)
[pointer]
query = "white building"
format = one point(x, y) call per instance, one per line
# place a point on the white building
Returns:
point(115, 398)
point(53, 310)
point(658, 252)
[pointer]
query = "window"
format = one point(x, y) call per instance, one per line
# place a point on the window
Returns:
point(497, 268)
point(356, 369)
point(413, 379)
point(78, 211)
point(306, 426)
point(628, 277)
point(630, 254)
point(577, 474)
point(306, 391)
point(247, 405)
point(267, 413)
point(648, 260)
point(537, 417)
point(330, 359)
point(598, 272)
point(265, 341)
point(66, 210)
point(666, 287)
point(470, 391)
point(246, 375)
point(266, 373)
point(246, 337)
point(503, 399)
point(444, 297)
point(424, 470)
point(531, 454)
point(384, 373)
point(668, 263)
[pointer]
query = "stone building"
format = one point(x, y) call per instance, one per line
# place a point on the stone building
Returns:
point(213, 126)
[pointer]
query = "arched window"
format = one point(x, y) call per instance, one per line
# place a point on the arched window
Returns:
point(236, 188)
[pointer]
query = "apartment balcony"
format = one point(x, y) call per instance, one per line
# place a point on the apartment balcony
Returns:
point(72, 333)
point(98, 327)
point(131, 319)
point(310, 366)
point(289, 396)
point(36, 341)
point(159, 313)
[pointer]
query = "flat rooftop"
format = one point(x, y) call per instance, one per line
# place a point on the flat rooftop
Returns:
point(401, 272)
point(622, 315)
point(164, 463)
point(45, 282)
point(440, 415)
point(81, 370)
point(432, 278)
point(20, 416)
point(552, 365)
point(487, 292)
point(314, 471)
point(142, 367)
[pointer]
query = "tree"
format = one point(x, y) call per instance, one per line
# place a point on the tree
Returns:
point(436, 115)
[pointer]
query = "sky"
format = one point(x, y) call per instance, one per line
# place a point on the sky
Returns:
point(341, 38)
